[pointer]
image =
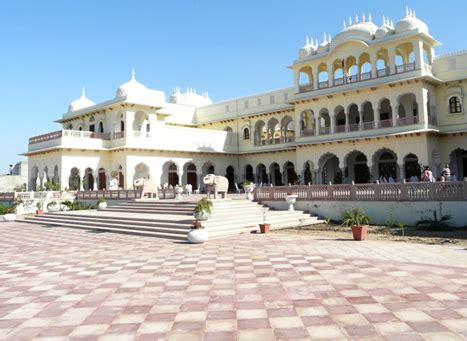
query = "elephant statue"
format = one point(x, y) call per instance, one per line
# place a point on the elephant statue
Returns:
point(147, 187)
point(216, 184)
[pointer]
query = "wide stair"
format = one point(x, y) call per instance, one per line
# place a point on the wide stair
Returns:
point(172, 219)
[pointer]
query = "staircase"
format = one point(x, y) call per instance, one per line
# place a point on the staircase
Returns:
point(171, 219)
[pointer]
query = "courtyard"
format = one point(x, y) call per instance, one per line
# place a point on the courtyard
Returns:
point(58, 283)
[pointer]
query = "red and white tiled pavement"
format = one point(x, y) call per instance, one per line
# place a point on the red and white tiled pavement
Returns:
point(67, 284)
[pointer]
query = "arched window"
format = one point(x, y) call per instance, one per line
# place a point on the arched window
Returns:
point(122, 126)
point(246, 134)
point(455, 105)
point(101, 127)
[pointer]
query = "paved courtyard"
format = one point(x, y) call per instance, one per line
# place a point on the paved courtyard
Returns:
point(67, 284)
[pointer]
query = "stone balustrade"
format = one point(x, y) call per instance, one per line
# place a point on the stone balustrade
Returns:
point(420, 191)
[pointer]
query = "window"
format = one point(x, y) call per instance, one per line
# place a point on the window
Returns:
point(455, 106)
point(271, 100)
point(246, 104)
point(101, 127)
point(258, 102)
point(246, 134)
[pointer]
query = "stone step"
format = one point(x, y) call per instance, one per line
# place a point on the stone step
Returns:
point(129, 226)
point(177, 224)
point(148, 211)
point(128, 217)
point(111, 229)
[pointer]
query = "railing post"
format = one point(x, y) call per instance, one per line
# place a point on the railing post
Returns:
point(432, 191)
point(377, 191)
point(330, 194)
point(404, 191)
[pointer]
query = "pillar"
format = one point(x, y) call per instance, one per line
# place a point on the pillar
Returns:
point(333, 122)
point(316, 126)
point(360, 118)
point(346, 121)
point(402, 171)
point(377, 117)
point(418, 47)
point(297, 82)
point(373, 59)
point(422, 101)
point(395, 115)
point(391, 57)
point(315, 79)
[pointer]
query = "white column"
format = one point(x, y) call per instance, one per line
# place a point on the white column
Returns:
point(391, 57)
point(418, 47)
point(297, 81)
point(346, 121)
point(315, 79)
point(360, 118)
point(376, 116)
point(395, 114)
point(373, 58)
point(333, 122)
point(422, 100)
point(317, 126)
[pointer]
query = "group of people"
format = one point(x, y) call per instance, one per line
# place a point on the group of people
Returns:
point(446, 175)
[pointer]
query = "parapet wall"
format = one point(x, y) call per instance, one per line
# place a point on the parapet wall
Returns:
point(406, 212)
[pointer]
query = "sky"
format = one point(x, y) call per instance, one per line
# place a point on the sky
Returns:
point(51, 49)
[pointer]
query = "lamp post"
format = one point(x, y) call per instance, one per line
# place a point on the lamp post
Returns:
point(11, 169)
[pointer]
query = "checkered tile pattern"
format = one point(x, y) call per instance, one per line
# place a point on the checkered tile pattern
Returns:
point(66, 284)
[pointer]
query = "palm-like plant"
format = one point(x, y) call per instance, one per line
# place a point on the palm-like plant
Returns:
point(356, 217)
point(433, 224)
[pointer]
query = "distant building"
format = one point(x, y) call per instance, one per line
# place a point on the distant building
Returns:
point(18, 177)
point(373, 102)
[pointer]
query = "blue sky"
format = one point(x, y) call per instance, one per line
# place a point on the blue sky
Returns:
point(50, 49)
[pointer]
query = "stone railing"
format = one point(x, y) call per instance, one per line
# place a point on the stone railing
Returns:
point(38, 196)
point(278, 140)
point(420, 191)
point(111, 195)
point(46, 137)
point(384, 72)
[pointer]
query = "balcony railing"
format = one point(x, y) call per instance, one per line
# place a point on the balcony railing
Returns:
point(74, 133)
point(307, 132)
point(405, 121)
point(279, 140)
point(420, 191)
point(385, 123)
point(398, 69)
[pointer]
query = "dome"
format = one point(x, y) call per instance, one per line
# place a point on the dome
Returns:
point(362, 31)
point(385, 29)
point(190, 97)
point(411, 23)
point(80, 103)
point(131, 88)
point(307, 49)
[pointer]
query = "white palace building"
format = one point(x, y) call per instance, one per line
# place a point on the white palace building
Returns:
point(372, 101)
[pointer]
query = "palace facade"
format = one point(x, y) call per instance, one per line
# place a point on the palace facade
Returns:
point(371, 102)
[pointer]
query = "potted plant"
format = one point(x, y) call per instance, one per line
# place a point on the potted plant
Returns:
point(203, 209)
point(248, 186)
point(53, 206)
point(101, 204)
point(291, 199)
point(264, 227)
point(178, 191)
point(359, 221)
point(198, 234)
point(40, 207)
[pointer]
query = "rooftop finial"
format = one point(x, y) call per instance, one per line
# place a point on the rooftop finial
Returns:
point(133, 74)
point(325, 38)
point(363, 17)
point(83, 92)
point(370, 19)
point(307, 40)
point(344, 26)
point(407, 11)
point(384, 20)
point(413, 13)
point(356, 18)
point(350, 21)
point(392, 23)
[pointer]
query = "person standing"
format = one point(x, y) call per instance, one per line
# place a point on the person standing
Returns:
point(446, 172)
point(427, 175)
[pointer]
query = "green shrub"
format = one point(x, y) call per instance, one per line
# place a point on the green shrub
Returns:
point(20, 188)
point(52, 186)
point(203, 205)
point(434, 224)
point(68, 204)
point(355, 217)
point(79, 206)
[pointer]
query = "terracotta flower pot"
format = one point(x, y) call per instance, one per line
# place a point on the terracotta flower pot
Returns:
point(264, 228)
point(359, 232)
point(38, 212)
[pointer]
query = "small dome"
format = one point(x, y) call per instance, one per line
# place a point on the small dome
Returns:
point(363, 31)
point(385, 29)
point(80, 103)
point(131, 88)
point(411, 23)
point(307, 49)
